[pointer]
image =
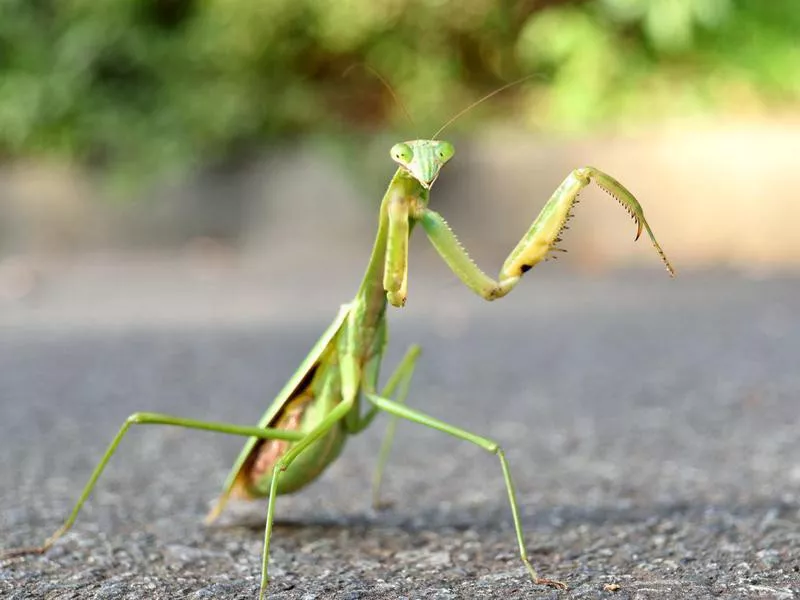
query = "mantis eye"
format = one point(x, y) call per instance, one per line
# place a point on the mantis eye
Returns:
point(401, 153)
point(445, 151)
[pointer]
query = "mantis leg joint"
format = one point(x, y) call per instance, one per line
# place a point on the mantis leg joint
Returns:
point(135, 418)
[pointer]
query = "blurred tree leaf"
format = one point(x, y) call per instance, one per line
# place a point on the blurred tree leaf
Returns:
point(148, 87)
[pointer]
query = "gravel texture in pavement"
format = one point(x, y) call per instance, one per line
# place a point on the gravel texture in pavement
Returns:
point(652, 428)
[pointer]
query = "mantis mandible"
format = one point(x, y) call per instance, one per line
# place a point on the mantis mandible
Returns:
point(335, 393)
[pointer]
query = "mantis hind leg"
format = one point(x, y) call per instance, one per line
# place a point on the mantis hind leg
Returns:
point(399, 381)
point(143, 418)
point(399, 410)
point(401, 378)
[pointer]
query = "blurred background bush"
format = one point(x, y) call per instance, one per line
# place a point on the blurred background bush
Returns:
point(175, 100)
point(154, 85)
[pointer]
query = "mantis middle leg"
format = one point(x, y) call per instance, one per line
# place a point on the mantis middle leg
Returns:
point(399, 410)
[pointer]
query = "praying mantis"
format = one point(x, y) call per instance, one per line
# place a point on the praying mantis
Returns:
point(335, 391)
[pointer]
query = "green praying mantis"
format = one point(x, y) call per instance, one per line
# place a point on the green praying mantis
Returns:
point(335, 391)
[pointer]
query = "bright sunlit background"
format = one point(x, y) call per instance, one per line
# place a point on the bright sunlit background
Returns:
point(185, 147)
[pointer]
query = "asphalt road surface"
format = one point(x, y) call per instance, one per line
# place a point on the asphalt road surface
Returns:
point(652, 427)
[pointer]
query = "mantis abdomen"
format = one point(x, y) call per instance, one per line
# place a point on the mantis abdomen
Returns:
point(302, 413)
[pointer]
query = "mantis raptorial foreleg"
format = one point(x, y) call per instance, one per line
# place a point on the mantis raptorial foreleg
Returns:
point(395, 275)
point(399, 410)
point(540, 239)
point(143, 418)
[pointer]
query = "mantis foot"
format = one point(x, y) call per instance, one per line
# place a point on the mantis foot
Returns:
point(559, 585)
point(15, 552)
point(381, 505)
point(38, 550)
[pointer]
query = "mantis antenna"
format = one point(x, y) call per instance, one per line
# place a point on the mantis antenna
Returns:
point(481, 101)
point(387, 85)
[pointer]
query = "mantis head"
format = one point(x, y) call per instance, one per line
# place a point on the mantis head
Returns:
point(422, 159)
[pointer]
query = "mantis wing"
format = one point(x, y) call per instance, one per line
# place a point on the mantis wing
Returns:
point(288, 391)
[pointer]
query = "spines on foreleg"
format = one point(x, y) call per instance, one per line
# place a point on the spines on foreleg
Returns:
point(544, 234)
point(622, 195)
point(545, 231)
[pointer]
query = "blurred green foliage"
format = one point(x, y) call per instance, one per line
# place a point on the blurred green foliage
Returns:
point(154, 85)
